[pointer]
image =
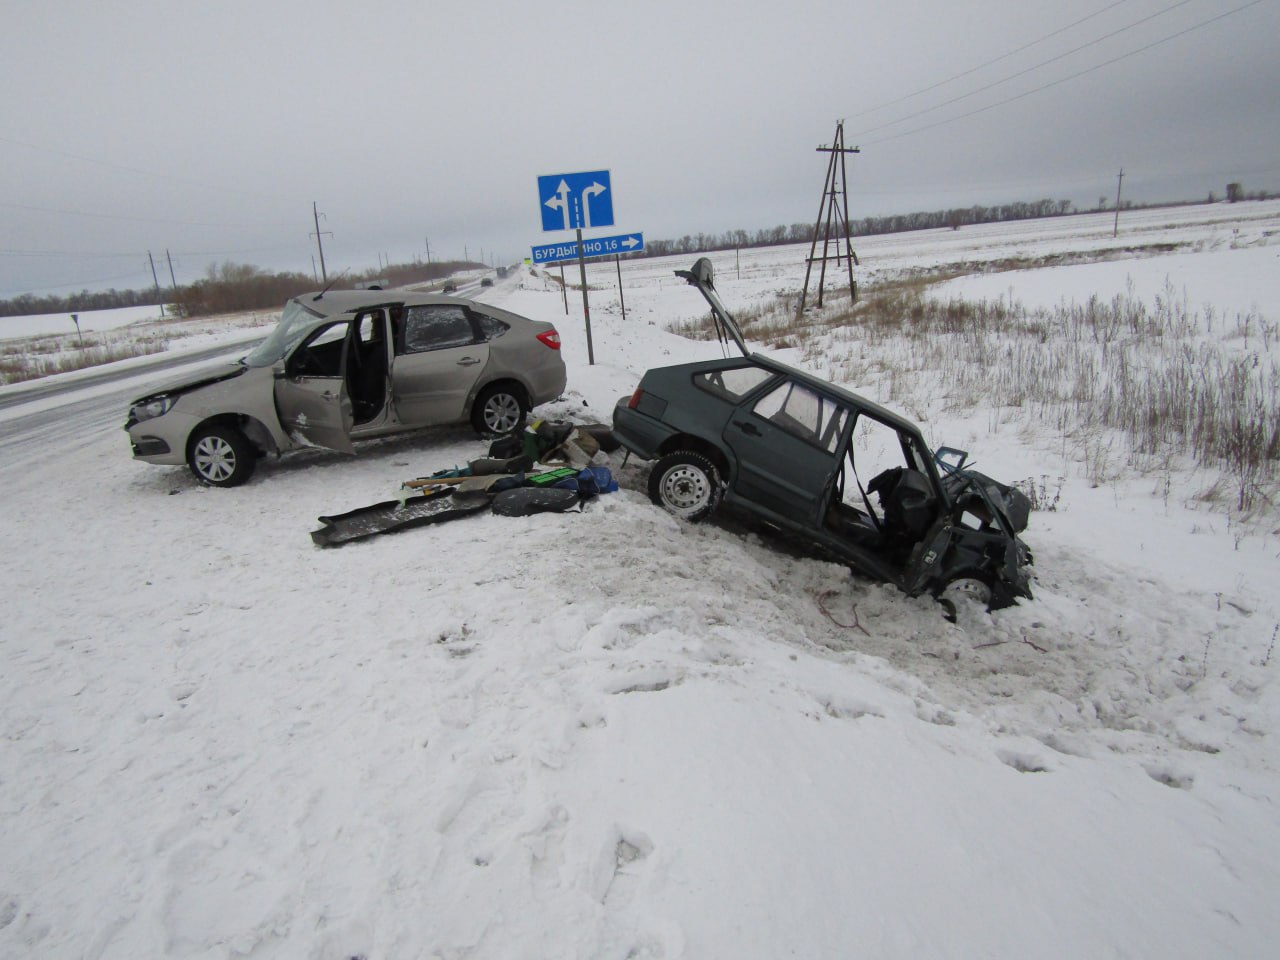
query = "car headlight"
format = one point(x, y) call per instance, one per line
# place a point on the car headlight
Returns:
point(151, 408)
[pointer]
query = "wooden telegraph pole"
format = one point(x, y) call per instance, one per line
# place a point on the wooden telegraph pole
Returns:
point(315, 215)
point(833, 211)
point(1115, 231)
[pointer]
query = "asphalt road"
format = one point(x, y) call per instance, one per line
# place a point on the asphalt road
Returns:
point(37, 418)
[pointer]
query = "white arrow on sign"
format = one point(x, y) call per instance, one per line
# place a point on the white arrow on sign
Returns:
point(594, 190)
point(561, 200)
point(631, 242)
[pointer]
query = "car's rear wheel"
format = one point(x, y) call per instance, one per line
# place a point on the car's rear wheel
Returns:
point(499, 409)
point(221, 456)
point(686, 484)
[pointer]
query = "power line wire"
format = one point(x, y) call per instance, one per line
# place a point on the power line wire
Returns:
point(71, 253)
point(981, 66)
point(1030, 69)
point(116, 216)
point(143, 253)
point(76, 283)
point(1073, 76)
point(128, 169)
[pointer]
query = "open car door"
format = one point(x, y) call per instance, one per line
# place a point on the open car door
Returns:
point(312, 399)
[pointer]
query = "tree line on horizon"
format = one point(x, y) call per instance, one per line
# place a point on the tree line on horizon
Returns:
point(230, 287)
point(955, 218)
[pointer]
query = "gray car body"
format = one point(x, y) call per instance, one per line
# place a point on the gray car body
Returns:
point(280, 405)
point(962, 523)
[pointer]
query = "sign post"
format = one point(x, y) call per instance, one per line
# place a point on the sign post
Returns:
point(572, 201)
point(586, 305)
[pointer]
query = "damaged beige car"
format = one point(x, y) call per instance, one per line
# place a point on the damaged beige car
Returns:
point(343, 366)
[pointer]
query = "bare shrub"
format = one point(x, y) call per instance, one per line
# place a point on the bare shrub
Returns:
point(1130, 383)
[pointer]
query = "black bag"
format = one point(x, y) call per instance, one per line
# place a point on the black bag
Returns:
point(504, 448)
point(523, 501)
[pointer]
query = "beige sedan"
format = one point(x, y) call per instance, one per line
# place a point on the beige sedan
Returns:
point(346, 365)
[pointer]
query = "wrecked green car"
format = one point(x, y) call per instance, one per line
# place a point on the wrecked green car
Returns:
point(807, 457)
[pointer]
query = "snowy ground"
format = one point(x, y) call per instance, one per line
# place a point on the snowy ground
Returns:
point(614, 735)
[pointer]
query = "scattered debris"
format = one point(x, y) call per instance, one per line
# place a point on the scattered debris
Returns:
point(502, 482)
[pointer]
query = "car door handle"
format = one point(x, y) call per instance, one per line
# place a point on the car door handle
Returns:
point(328, 395)
point(468, 362)
point(747, 427)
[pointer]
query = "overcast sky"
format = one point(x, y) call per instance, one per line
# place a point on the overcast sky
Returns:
point(209, 129)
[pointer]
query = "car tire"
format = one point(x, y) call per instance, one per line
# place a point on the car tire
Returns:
point(967, 590)
point(686, 484)
point(499, 409)
point(221, 456)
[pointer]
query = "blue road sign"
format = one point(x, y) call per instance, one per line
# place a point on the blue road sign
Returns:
point(573, 201)
point(595, 247)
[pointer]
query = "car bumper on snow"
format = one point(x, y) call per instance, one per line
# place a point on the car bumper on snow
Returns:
point(161, 440)
point(639, 433)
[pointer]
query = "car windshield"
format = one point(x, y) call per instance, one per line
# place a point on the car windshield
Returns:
point(295, 323)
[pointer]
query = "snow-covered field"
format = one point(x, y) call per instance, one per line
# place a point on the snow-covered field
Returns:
point(614, 735)
point(94, 321)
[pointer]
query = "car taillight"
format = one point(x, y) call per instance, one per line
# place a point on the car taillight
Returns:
point(551, 338)
point(634, 402)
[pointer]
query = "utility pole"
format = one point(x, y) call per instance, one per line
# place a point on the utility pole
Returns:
point(428, 240)
point(837, 213)
point(172, 280)
point(156, 281)
point(1115, 231)
point(324, 276)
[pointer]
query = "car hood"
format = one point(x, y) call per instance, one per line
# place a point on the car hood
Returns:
point(195, 381)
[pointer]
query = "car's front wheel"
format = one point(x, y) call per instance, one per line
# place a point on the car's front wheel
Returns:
point(221, 456)
point(966, 591)
point(686, 484)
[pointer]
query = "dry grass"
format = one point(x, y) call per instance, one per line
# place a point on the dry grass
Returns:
point(47, 356)
point(30, 358)
point(1122, 383)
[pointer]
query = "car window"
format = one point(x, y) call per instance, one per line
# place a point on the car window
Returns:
point(804, 413)
point(369, 326)
point(732, 384)
point(435, 327)
point(491, 328)
point(321, 354)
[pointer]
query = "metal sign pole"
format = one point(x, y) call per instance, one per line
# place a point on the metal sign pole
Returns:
point(618, 263)
point(586, 303)
point(564, 289)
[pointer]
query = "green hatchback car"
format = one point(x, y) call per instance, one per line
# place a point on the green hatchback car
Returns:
point(779, 444)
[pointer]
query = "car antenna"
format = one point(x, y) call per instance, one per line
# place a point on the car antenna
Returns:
point(330, 284)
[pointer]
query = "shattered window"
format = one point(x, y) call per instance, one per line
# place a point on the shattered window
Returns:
point(732, 384)
point(435, 327)
point(804, 413)
point(491, 327)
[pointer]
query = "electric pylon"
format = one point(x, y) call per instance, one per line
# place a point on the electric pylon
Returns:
point(833, 211)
